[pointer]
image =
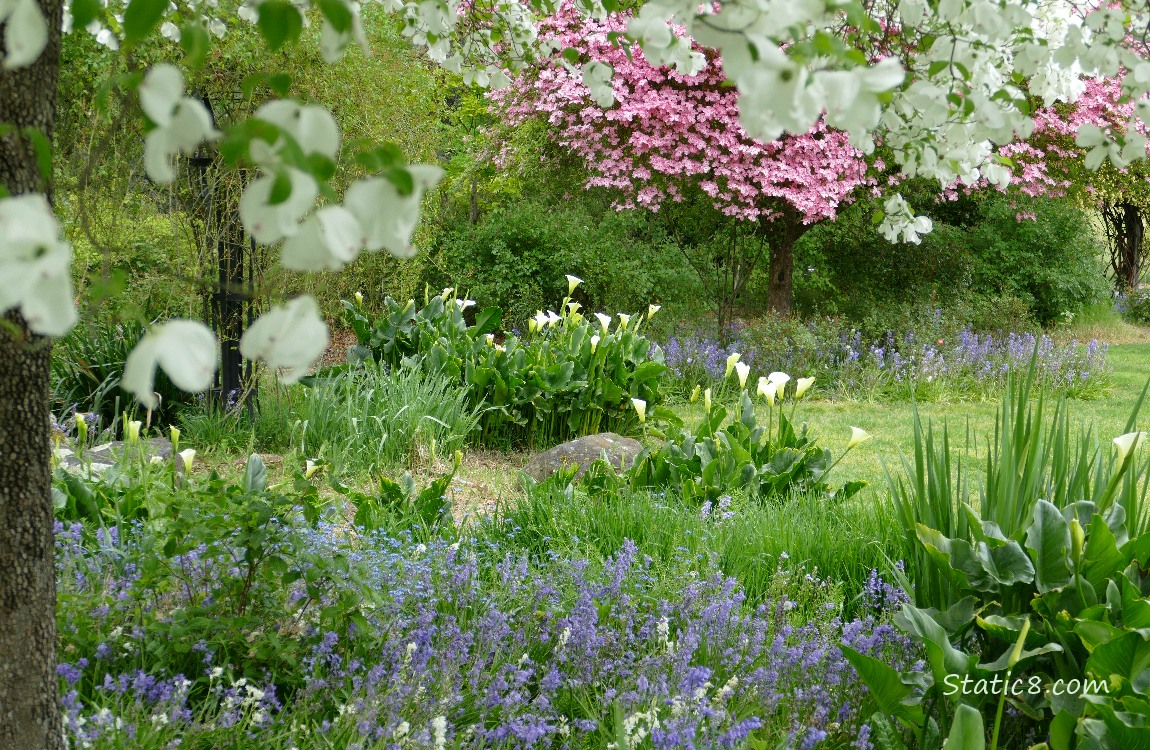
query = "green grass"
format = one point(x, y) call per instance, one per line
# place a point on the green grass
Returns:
point(892, 424)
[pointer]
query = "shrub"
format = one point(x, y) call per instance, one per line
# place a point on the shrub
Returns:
point(566, 377)
point(517, 255)
point(1135, 305)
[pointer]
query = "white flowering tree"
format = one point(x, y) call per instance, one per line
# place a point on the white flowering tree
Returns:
point(941, 83)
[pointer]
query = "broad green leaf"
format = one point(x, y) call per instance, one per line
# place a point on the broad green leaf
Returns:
point(195, 42)
point(966, 732)
point(1048, 538)
point(140, 17)
point(279, 22)
point(893, 696)
point(255, 475)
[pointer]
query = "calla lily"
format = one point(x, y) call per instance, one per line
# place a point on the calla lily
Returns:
point(652, 309)
point(624, 320)
point(132, 431)
point(594, 342)
point(187, 458)
point(802, 385)
point(779, 378)
point(573, 307)
point(552, 318)
point(695, 393)
point(1126, 443)
point(532, 326)
point(489, 339)
point(311, 468)
point(572, 283)
point(174, 432)
point(359, 298)
point(604, 322)
point(731, 360)
point(81, 429)
point(540, 320)
point(707, 399)
point(767, 390)
point(640, 408)
point(743, 370)
point(858, 435)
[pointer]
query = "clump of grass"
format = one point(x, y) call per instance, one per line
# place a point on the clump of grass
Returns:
point(366, 419)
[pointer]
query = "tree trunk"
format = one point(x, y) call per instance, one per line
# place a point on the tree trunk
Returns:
point(29, 693)
point(783, 233)
point(1125, 230)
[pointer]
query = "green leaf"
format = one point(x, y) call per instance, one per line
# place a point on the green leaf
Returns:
point(279, 22)
point(337, 13)
point(1048, 537)
point(84, 12)
point(281, 189)
point(195, 42)
point(255, 475)
point(893, 696)
point(967, 732)
point(487, 321)
point(43, 148)
point(140, 17)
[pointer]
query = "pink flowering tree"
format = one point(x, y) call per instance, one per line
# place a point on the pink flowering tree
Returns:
point(1059, 161)
point(662, 141)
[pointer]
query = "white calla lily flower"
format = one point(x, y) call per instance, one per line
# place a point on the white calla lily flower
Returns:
point(802, 385)
point(604, 322)
point(624, 319)
point(858, 435)
point(652, 309)
point(640, 408)
point(742, 369)
point(572, 283)
point(731, 360)
point(1127, 443)
point(707, 400)
point(767, 390)
point(288, 337)
point(188, 458)
point(595, 342)
point(184, 349)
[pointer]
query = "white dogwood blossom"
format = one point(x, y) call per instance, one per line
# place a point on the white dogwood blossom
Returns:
point(287, 337)
point(35, 265)
point(184, 349)
point(25, 32)
point(182, 123)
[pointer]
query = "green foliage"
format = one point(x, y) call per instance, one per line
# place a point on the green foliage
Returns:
point(567, 377)
point(1029, 457)
point(996, 262)
point(1136, 305)
point(516, 256)
point(1038, 586)
point(769, 462)
point(366, 418)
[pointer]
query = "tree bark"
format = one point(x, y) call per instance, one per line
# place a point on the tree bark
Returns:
point(1125, 231)
point(783, 233)
point(29, 693)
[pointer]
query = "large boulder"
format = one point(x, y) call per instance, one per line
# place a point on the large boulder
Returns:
point(99, 458)
point(618, 450)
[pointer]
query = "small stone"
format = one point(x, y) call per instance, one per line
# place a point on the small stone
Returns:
point(618, 450)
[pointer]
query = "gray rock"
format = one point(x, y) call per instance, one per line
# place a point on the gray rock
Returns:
point(618, 450)
point(101, 457)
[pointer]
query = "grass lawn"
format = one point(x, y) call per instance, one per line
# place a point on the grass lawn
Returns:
point(892, 424)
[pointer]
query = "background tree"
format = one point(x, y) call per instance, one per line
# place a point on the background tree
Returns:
point(667, 141)
point(1062, 159)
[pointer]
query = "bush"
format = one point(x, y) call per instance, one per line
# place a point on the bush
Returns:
point(567, 377)
point(995, 262)
point(516, 258)
point(1135, 306)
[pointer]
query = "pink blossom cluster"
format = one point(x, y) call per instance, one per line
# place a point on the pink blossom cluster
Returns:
point(667, 132)
point(1043, 165)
